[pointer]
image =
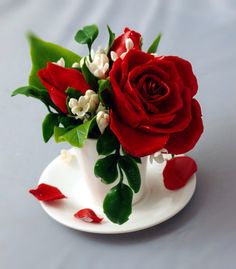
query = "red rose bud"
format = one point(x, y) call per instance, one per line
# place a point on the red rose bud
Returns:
point(88, 215)
point(119, 45)
point(178, 171)
point(57, 79)
point(45, 192)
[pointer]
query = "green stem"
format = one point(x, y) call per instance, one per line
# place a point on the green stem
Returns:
point(172, 156)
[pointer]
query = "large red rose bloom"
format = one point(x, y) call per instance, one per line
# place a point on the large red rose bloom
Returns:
point(57, 79)
point(153, 105)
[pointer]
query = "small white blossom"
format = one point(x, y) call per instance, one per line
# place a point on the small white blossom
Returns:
point(99, 64)
point(66, 156)
point(158, 156)
point(75, 65)
point(60, 62)
point(86, 103)
point(103, 120)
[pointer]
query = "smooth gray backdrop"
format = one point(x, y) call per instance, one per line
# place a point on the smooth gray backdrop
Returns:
point(203, 235)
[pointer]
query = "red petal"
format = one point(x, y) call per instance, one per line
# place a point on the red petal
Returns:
point(45, 192)
point(178, 171)
point(184, 141)
point(136, 142)
point(88, 215)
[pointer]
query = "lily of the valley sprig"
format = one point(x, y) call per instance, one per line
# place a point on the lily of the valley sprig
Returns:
point(134, 102)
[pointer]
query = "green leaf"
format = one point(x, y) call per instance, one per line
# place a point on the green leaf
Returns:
point(136, 159)
point(73, 93)
point(130, 167)
point(106, 169)
point(111, 37)
point(69, 122)
point(154, 45)
point(31, 91)
point(117, 204)
point(58, 134)
point(50, 121)
point(89, 77)
point(87, 35)
point(107, 142)
point(43, 52)
point(104, 91)
point(77, 136)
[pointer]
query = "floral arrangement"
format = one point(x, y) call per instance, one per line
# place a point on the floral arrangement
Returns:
point(134, 102)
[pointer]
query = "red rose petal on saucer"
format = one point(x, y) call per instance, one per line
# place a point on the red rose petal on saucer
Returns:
point(45, 192)
point(88, 215)
point(178, 171)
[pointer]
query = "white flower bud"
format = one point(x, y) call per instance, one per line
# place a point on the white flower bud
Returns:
point(60, 62)
point(129, 44)
point(114, 56)
point(99, 64)
point(75, 65)
point(103, 120)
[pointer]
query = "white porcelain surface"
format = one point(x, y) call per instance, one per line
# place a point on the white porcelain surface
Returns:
point(87, 157)
point(157, 205)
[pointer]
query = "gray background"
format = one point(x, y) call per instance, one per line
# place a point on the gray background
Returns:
point(203, 235)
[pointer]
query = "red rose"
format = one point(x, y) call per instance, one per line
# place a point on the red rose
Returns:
point(57, 79)
point(153, 105)
point(119, 43)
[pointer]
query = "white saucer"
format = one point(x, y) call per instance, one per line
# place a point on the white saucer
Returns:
point(157, 205)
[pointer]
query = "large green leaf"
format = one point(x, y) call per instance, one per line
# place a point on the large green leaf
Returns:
point(106, 168)
point(153, 47)
point(50, 121)
point(107, 142)
point(117, 204)
point(43, 52)
point(130, 167)
point(77, 136)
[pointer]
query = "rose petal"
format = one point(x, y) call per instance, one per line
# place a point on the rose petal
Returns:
point(88, 215)
point(45, 192)
point(135, 141)
point(178, 171)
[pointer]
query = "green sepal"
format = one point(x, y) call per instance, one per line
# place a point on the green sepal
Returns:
point(117, 204)
point(73, 93)
point(43, 52)
point(153, 47)
point(89, 77)
point(105, 92)
point(130, 167)
point(111, 38)
point(106, 168)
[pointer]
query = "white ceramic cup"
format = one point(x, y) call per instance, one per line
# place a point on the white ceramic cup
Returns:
point(87, 157)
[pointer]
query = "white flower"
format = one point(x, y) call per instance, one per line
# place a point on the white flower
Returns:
point(103, 120)
point(129, 44)
point(86, 103)
point(99, 64)
point(75, 65)
point(66, 156)
point(60, 62)
point(158, 156)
